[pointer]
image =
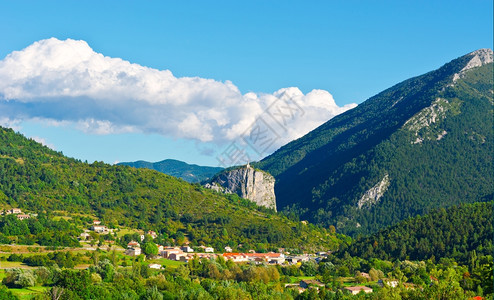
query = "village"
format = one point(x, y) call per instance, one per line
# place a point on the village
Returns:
point(186, 253)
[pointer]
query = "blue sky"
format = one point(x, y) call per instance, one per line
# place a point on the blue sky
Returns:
point(351, 49)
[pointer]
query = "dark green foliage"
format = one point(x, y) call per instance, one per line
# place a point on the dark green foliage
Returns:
point(458, 233)
point(322, 176)
point(62, 259)
point(190, 173)
point(37, 179)
point(41, 230)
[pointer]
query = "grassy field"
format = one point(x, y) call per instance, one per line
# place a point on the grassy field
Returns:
point(29, 293)
point(124, 231)
point(13, 264)
point(169, 264)
point(296, 279)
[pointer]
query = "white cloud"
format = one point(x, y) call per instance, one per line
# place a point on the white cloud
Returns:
point(66, 82)
point(43, 142)
point(7, 122)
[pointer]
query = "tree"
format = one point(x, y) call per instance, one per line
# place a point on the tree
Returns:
point(309, 268)
point(150, 249)
point(19, 278)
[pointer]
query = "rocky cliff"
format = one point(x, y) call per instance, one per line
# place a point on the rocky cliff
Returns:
point(247, 182)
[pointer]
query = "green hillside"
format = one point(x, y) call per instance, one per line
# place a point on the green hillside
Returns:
point(424, 143)
point(458, 233)
point(188, 172)
point(37, 179)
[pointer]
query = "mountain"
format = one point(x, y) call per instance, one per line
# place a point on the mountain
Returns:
point(247, 182)
point(177, 168)
point(424, 143)
point(40, 180)
point(436, 234)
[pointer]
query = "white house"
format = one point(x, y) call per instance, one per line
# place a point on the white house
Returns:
point(388, 282)
point(207, 249)
point(155, 266)
point(14, 211)
point(99, 228)
point(228, 249)
point(186, 249)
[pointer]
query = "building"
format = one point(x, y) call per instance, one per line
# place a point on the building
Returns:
point(133, 251)
point(84, 236)
point(272, 258)
point(22, 217)
point(207, 249)
point(236, 257)
point(228, 249)
point(187, 249)
point(152, 234)
point(133, 244)
point(310, 283)
point(99, 228)
point(389, 282)
point(14, 211)
point(96, 222)
point(155, 266)
point(169, 251)
point(297, 259)
point(365, 275)
point(178, 256)
point(357, 289)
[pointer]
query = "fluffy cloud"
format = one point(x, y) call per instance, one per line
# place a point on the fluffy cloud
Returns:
point(66, 82)
point(43, 142)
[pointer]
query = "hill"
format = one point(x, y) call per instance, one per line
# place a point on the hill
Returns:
point(424, 143)
point(40, 180)
point(188, 172)
point(458, 233)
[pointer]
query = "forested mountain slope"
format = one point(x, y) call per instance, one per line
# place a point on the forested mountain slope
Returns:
point(424, 143)
point(458, 233)
point(188, 172)
point(36, 179)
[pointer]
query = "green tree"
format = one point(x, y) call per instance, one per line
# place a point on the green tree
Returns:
point(150, 249)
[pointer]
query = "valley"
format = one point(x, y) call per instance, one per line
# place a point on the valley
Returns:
point(389, 200)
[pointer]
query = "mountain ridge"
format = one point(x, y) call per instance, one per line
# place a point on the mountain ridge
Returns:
point(40, 180)
point(191, 173)
point(322, 175)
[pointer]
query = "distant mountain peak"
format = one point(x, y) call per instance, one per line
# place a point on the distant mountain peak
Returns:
point(189, 172)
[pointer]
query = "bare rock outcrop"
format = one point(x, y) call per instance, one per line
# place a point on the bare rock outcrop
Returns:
point(247, 182)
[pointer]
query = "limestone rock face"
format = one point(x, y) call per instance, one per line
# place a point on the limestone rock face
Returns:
point(247, 182)
point(373, 195)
